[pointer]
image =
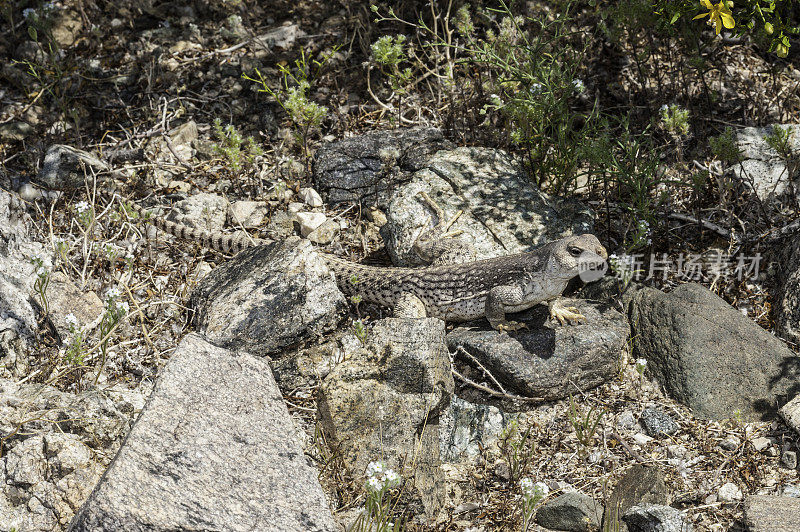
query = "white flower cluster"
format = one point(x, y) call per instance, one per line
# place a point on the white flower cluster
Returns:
point(578, 85)
point(81, 207)
point(531, 491)
point(641, 363)
point(380, 478)
point(71, 321)
point(112, 294)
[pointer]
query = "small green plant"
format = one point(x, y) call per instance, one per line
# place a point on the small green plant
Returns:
point(41, 283)
point(114, 312)
point(292, 96)
point(724, 146)
point(360, 330)
point(779, 140)
point(237, 150)
point(377, 508)
point(76, 349)
point(585, 425)
point(85, 214)
point(532, 495)
point(515, 447)
point(675, 120)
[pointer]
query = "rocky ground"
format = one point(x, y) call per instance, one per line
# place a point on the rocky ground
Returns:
point(247, 393)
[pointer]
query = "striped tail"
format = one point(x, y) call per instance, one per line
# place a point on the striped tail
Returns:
point(223, 242)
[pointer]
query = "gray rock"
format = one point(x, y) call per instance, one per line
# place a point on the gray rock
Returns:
point(15, 130)
point(789, 459)
point(787, 290)
point(548, 360)
point(267, 298)
point(248, 214)
point(761, 168)
point(656, 518)
point(503, 212)
point(65, 298)
point(571, 511)
point(214, 449)
point(46, 476)
point(768, 513)
point(466, 428)
point(18, 314)
point(384, 401)
point(708, 356)
point(63, 167)
point(790, 412)
point(366, 168)
point(656, 422)
point(640, 485)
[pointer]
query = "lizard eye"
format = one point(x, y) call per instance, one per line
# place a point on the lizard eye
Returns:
point(574, 251)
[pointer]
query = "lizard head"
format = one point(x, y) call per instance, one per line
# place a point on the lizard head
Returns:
point(582, 255)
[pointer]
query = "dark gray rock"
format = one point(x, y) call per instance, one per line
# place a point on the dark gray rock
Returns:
point(787, 290)
point(656, 518)
point(213, 449)
point(503, 212)
point(640, 485)
point(710, 357)
point(548, 360)
point(572, 511)
point(657, 423)
point(64, 167)
point(768, 513)
point(267, 298)
point(384, 400)
point(762, 169)
point(365, 168)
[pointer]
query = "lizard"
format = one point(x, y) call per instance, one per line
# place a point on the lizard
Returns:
point(452, 287)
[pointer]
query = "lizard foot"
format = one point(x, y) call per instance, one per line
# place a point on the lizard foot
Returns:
point(566, 315)
point(507, 325)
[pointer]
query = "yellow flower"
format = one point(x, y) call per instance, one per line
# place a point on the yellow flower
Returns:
point(716, 14)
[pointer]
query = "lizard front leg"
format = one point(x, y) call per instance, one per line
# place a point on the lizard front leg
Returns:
point(564, 314)
point(498, 299)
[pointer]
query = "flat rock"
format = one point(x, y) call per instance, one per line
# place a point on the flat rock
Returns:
point(547, 360)
point(710, 357)
point(214, 449)
point(572, 511)
point(385, 399)
point(640, 485)
point(365, 168)
point(503, 212)
point(769, 513)
point(656, 518)
point(761, 165)
point(267, 298)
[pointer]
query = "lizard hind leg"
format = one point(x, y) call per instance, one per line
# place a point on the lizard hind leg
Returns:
point(408, 305)
point(436, 244)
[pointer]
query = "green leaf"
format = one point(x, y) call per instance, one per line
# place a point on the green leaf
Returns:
point(32, 33)
point(675, 17)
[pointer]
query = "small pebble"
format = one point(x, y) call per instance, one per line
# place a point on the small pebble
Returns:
point(761, 443)
point(789, 459)
point(729, 492)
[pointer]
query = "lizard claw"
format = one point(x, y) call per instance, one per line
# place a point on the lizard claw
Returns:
point(566, 315)
point(505, 326)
